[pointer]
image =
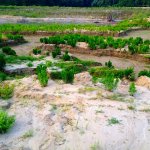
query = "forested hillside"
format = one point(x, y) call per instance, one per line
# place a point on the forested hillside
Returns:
point(77, 2)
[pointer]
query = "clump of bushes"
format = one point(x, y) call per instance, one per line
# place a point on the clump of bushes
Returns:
point(66, 56)
point(132, 89)
point(110, 82)
point(137, 45)
point(6, 91)
point(2, 62)
point(68, 75)
point(8, 51)
point(6, 121)
point(42, 75)
point(56, 51)
point(144, 73)
point(36, 51)
point(118, 73)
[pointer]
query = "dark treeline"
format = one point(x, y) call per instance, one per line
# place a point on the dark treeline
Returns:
point(75, 3)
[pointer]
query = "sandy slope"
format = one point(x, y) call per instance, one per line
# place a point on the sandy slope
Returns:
point(75, 117)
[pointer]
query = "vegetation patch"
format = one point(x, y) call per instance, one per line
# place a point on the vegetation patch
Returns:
point(6, 121)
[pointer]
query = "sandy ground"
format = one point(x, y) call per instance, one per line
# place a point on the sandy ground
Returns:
point(76, 20)
point(145, 34)
point(24, 49)
point(75, 117)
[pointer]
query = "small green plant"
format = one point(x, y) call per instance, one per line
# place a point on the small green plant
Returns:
point(2, 62)
point(3, 76)
point(30, 64)
point(110, 82)
point(95, 146)
point(113, 121)
point(66, 56)
point(132, 89)
point(68, 76)
point(6, 121)
point(36, 51)
point(144, 73)
point(9, 51)
point(48, 63)
point(42, 74)
point(28, 134)
point(6, 91)
point(109, 64)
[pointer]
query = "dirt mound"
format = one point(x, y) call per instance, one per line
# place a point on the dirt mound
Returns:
point(83, 78)
point(143, 81)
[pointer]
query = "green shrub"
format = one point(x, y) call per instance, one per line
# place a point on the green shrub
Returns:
point(42, 74)
point(143, 48)
point(132, 89)
point(109, 64)
point(30, 64)
point(144, 73)
point(66, 56)
point(6, 121)
point(56, 51)
point(6, 90)
point(68, 76)
point(3, 76)
point(2, 62)
point(133, 49)
point(8, 50)
point(36, 51)
point(48, 63)
point(110, 82)
point(54, 54)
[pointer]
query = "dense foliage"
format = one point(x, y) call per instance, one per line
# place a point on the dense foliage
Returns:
point(6, 121)
point(77, 2)
point(42, 74)
point(135, 45)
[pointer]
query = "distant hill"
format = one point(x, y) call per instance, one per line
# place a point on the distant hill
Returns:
point(79, 3)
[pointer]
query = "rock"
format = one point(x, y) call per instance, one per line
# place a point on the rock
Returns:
point(83, 78)
point(82, 45)
point(143, 81)
point(5, 104)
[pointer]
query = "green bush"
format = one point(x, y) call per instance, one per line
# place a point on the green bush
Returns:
point(48, 63)
point(132, 89)
point(68, 76)
point(56, 51)
point(42, 74)
point(36, 51)
point(6, 91)
point(6, 121)
point(2, 62)
point(9, 51)
point(66, 56)
point(30, 64)
point(109, 64)
point(3, 76)
point(133, 49)
point(144, 73)
point(143, 48)
point(110, 82)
